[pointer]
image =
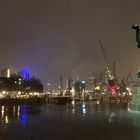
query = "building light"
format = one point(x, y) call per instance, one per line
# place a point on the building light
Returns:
point(83, 82)
point(8, 73)
point(6, 119)
point(19, 92)
point(3, 92)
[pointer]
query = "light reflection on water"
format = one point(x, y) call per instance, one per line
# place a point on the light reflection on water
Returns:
point(10, 114)
point(70, 120)
point(88, 109)
point(76, 110)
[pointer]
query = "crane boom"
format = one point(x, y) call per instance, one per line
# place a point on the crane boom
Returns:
point(108, 69)
point(109, 75)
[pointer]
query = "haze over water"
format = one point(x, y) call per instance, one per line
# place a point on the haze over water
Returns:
point(75, 121)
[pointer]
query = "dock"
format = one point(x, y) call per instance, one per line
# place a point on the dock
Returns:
point(59, 99)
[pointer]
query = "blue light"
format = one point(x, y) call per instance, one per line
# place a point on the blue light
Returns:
point(23, 115)
point(25, 74)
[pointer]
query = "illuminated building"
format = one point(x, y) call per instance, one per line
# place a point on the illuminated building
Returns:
point(6, 73)
point(24, 74)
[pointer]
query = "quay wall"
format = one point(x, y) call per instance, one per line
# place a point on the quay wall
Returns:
point(29, 101)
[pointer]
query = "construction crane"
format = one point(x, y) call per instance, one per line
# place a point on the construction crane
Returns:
point(109, 75)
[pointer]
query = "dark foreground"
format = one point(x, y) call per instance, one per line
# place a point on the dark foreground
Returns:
point(79, 121)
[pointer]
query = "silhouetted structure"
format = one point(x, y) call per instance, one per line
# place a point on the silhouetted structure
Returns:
point(136, 28)
point(17, 84)
point(6, 73)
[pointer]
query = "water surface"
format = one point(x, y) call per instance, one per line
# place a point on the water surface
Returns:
point(75, 121)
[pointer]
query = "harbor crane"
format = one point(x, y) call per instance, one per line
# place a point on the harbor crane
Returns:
point(109, 75)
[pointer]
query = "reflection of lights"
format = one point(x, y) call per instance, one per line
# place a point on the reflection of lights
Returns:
point(73, 102)
point(23, 115)
point(84, 111)
point(83, 105)
point(2, 112)
point(18, 111)
point(110, 120)
point(14, 110)
point(73, 110)
point(6, 119)
point(111, 116)
point(83, 108)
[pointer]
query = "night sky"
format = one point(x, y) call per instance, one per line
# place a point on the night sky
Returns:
point(49, 37)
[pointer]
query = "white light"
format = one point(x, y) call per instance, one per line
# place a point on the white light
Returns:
point(83, 82)
point(31, 93)
point(2, 111)
point(3, 92)
point(19, 79)
point(83, 105)
point(8, 73)
point(84, 111)
point(127, 88)
point(18, 111)
point(73, 102)
point(48, 84)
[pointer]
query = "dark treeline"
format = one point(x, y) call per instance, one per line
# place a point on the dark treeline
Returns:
point(16, 83)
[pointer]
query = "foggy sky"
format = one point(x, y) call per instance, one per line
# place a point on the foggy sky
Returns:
point(49, 37)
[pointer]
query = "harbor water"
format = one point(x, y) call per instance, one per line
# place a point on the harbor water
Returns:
point(74, 121)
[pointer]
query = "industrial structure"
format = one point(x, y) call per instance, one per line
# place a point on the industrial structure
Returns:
point(135, 105)
point(110, 80)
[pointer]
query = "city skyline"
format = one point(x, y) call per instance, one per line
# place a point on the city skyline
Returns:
point(52, 37)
